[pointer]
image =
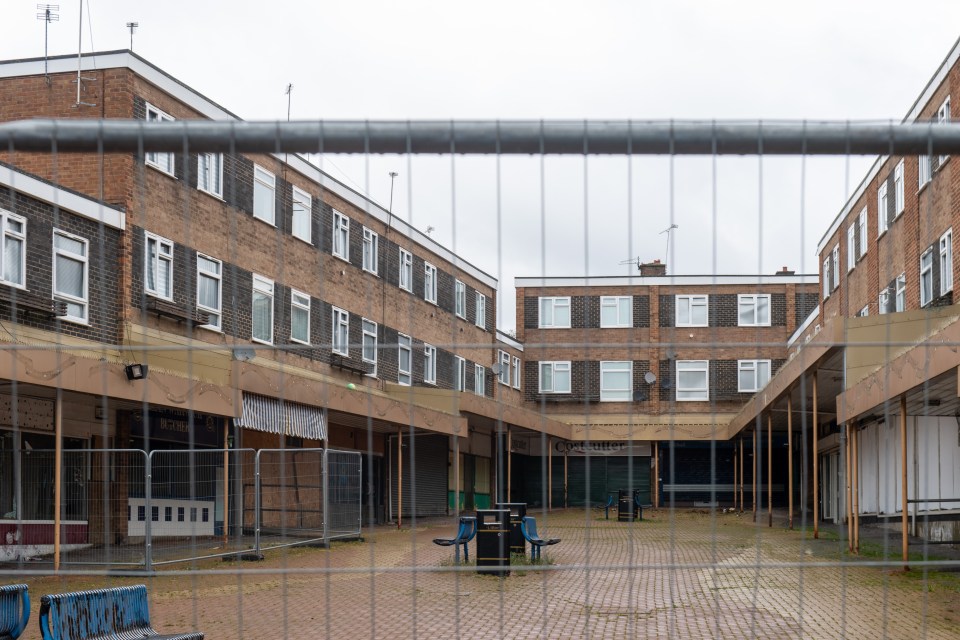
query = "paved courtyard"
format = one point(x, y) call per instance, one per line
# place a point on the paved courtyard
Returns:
point(683, 574)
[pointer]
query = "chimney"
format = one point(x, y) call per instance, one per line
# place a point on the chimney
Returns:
point(785, 272)
point(655, 268)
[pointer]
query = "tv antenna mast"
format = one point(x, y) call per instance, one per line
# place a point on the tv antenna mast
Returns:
point(632, 261)
point(80, 78)
point(133, 27)
point(47, 13)
point(668, 231)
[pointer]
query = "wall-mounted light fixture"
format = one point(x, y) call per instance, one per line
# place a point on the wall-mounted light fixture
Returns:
point(136, 371)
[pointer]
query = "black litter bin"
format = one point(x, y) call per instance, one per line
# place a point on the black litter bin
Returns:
point(493, 541)
point(625, 510)
point(518, 510)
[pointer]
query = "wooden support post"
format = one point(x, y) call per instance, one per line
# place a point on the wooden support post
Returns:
point(756, 466)
point(816, 463)
point(769, 469)
point(456, 477)
point(848, 507)
point(790, 461)
point(856, 489)
point(509, 464)
point(565, 485)
point(399, 476)
point(741, 475)
point(58, 477)
point(903, 480)
point(549, 473)
point(656, 475)
point(734, 477)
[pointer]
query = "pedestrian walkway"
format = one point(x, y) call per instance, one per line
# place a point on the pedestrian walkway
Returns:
point(680, 574)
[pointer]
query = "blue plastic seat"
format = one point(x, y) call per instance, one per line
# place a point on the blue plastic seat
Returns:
point(14, 610)
point(529, 528)
point(606, 507)
point(466, 532)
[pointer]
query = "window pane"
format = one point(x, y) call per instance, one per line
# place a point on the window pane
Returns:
point(608, 315)
point(683, 310)
point(692, 379)
point(699, 314)
point(546, 377)
point(746, 312)
point(13, 260)
point(209, 293)
point(625, 310)
point(763, 310)
point(562, 381)
point(746, 379)
point(69, 276)
point(298, 321)
point(562, 315)
point(262, 316)
point(69, 244)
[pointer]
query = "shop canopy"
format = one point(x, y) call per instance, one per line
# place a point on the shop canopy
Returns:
point(273, 415)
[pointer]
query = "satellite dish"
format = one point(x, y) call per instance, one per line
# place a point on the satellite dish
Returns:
point(649, 377)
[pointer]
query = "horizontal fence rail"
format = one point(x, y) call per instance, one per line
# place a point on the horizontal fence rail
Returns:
point(587, 137)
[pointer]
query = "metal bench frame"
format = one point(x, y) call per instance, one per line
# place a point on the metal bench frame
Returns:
point(14, 610)
point(466, 533)
point(529, 528)
point(121, 612)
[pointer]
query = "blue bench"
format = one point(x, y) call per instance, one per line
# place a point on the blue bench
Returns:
point(606, 507)
point(466, 533)
point(121, 612)
point(529, 528)
point(14, 610)
point(636, 503)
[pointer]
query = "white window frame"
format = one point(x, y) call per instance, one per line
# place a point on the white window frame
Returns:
point(214, 314)
point(609, 393)
point(825, 278)
point(299, 301)
point(553, 303)
point(153, 265)
point(943, 116)
point(404, 346)
point(755, 368)
point(615, 303)
point(882, 209)
point(429, 364)
point(371, 251)
point(459, 374)
point(883, 300)
point(481, 311)
point(898, 198)
point(924, 171)
point(864, 312)
point(302, 215)
point(851, 247)
point(693, 301)
point(161, 161)
point(835, 269)
point(862, 220)
point(946, 261)
point(210, 174)
point(926, 277)
point(516, 372)
point(554, 367)
point(429, 283)
point(83, 301)
point(12, 235)
point(263, 179)
point(263, 286)
point(504, 364)
point(694, 394)
point(479, 380)
point(340, 331)
point(369, 329)
point(460, 299)
point(747, 299)
point(901, 293)
point(405, 276)
point(340, 245)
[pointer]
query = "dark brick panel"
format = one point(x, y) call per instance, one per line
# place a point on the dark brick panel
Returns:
point(641, 312)
point(805, 303)
point(531, 312)
point(778, 309)
point(668, 311)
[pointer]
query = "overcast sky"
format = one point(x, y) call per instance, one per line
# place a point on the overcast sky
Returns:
point(681, 59)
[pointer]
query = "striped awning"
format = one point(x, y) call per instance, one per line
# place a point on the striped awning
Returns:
point(285, 418)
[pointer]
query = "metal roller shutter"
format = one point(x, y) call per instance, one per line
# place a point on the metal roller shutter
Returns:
point(429, 496)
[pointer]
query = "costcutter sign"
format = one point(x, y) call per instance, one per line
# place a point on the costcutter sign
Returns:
point(601, 448)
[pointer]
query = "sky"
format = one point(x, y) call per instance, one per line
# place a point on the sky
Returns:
point(572, 216)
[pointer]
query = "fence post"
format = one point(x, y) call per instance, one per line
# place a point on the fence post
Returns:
point(147, 525)
point(360, 495)
point(324, 481)
point(256, 502)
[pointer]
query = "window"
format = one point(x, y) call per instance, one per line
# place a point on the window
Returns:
point(429, 283)
point(504, 374)
point(862, 229)
point(924, 170)
point(369, 344)
point(882, 209)
point(481, 319)
point(851, 247)
point(12, 254)
point(883, 302)
point(70, 258)
point(262, 309)
point(616, 381)
point(901, 299)
point(898, 189)
point(341, 235)
point(826, 278)
point(302, 207)
point(460, 299)
point(754, 310)
point(616, 311)
point(479, 380)
point(943, 115)
point(692, 311)
point(209, 287)
point(210, 173)
point(264, 186)
point(516, 372)
point(692, 378)
point(864, 312)
point(341, 332)
point(946, 262)
point(406, 270)
point(371, 250)
point(299, 317)
point(405, 360)
point(158, 279)
point(459, 374)
point(555, 313)
point(162, 161)
point(926, 277)
point(429, 364)
point(555, 377)
point(752, 375)
point(835, 267)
